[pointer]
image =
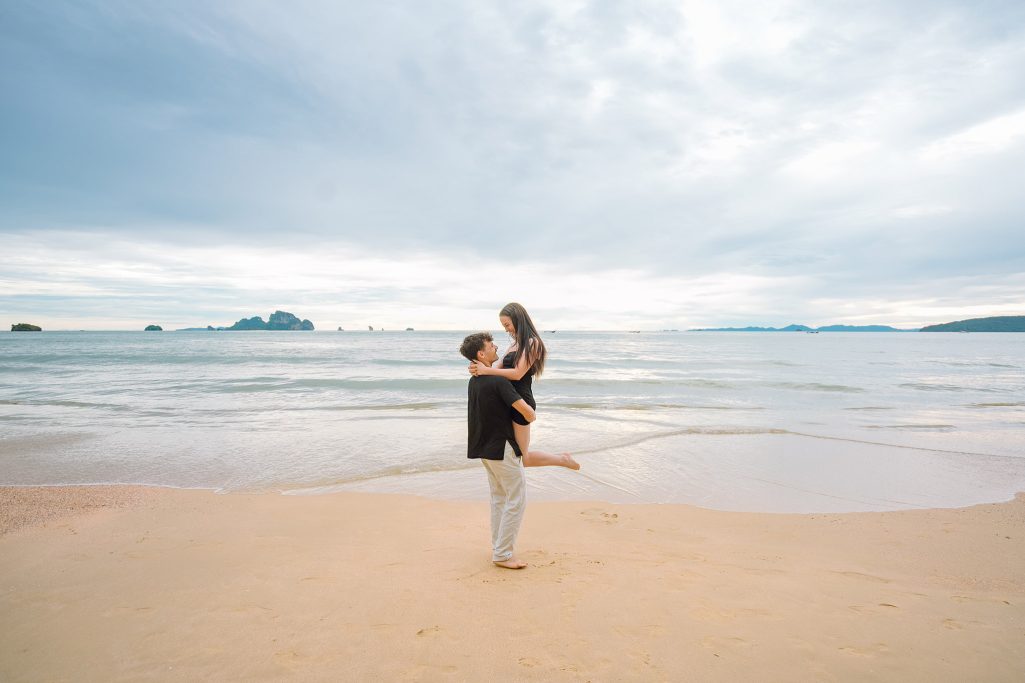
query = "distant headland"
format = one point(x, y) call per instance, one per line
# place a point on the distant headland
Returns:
point(1002, 323)
point(1006, 323)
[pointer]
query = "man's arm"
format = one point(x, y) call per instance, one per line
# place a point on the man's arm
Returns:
point(513, 400)
point(512, 374)
point(525, 410)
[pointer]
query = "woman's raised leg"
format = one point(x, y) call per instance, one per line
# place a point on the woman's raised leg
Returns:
point(540, 458)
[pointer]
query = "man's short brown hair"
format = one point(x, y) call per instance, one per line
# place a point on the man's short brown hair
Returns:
point(473, 344)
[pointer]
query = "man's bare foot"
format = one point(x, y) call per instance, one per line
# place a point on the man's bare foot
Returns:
point(568, 461)
point(511, 563)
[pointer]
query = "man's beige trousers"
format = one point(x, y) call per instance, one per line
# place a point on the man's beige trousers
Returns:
point(508, 501)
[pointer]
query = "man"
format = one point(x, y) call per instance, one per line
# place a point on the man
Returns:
point(491, 440)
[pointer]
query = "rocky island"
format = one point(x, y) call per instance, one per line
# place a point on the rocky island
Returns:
point(25, 327)
point(153, 328)
point(279, 320)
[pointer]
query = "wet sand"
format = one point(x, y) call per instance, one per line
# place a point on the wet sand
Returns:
point(128, 583)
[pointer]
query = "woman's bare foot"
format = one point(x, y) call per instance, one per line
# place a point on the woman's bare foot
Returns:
point(568, 461)
point(511, 563)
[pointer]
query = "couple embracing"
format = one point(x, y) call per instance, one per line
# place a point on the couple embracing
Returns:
point(500, 408)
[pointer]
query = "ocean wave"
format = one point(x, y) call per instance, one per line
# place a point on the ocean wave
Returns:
point(288, 385)
point(816, 386)
point(616, 384)
point(971, 364)
point(65, 403)
point(919, 427)
point(330, 485)
point(616, 405)
point(420, 362)
point(847, 439)
point(756, 431)
point(924, 386)
point(686, 431)
point(421, 405)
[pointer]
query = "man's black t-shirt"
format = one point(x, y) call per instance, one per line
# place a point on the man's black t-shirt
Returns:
point(489, 421)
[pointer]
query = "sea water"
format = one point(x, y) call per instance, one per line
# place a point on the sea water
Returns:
point(740, 421)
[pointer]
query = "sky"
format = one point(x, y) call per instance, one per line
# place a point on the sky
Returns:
point(609, 165)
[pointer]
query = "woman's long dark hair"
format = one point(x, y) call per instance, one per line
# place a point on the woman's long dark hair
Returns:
point(526, 337)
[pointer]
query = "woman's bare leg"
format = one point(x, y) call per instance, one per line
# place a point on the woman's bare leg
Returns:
point(540, 458)
point(522, 434)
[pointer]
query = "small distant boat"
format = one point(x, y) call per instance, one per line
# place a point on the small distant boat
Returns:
point(635, 331)
point(410, 329)
point(549, 331)
point(340, 329)
point(370, 327)
point(812, 331)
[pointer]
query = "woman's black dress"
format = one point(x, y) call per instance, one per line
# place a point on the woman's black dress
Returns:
point(522, 386)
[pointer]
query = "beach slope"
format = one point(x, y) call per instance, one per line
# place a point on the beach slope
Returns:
point(161, 584)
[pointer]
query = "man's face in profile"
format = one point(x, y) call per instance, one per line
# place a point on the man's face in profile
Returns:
point(489, 354)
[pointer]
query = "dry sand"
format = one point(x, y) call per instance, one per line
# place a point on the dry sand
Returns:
point(160, 584)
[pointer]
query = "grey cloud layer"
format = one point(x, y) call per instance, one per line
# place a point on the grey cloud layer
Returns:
point(679, 139)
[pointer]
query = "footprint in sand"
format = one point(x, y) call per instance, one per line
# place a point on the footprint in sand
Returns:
point(728, 643)
point(872, 650)
point(317, 579)
point(724, 614)
point(966, 598)
point(641, 657)
point(600, 516)
point(865, 609)
point(429, 631)
point(126, 610)
point(246, 609)
point(288, 657)
point(429, 672)
point(862, 576)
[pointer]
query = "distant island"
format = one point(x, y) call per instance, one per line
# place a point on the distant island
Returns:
point(279, 320)
point(805, 328)
point(25, 327)
point(153, 328)
point(1001, 323)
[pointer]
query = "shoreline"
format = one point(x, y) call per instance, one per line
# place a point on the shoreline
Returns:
point(779, 473)
point(129, 583)
point(33, 506)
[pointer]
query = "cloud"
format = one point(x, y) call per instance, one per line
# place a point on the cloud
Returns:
point(105, 281)
point(994, 136)
point(663, 142)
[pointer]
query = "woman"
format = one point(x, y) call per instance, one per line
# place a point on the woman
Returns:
point(524, 360)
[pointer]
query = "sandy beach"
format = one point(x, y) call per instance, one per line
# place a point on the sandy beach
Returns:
point(127, 583)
